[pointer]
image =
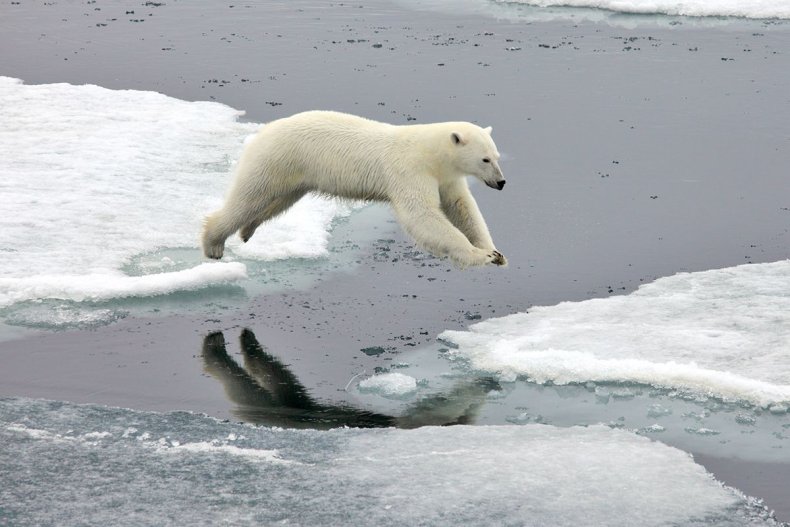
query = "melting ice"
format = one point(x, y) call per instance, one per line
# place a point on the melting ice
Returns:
point(626, 13)
point(389, 385)
point(92, 179)
point(65, 465)
point(699, 8)
point(724, 333)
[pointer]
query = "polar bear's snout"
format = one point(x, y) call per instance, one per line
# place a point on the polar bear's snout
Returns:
point(498, 181)
point(497, 185)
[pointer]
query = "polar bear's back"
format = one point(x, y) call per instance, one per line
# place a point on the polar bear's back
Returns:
point(319, 122)
point(327, 131)
point(329, 152)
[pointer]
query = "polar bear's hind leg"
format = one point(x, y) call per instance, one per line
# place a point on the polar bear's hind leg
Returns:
point(216, 229)
point(268, 211)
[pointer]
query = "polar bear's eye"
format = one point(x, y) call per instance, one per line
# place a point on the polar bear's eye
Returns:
point(486, 160)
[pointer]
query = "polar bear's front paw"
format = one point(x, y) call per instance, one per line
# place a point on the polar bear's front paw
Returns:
point(497, 258)
point(478, 257)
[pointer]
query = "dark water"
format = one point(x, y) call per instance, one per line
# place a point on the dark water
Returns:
point(630, 153)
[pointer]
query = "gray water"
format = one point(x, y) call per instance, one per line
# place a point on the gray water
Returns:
point(632, 151)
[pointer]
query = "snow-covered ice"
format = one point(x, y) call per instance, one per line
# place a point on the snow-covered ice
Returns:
point(97, 287)
point(697, 8)
point(723, 333)
point(65, 465)
point(706, 11)
point(93, 178)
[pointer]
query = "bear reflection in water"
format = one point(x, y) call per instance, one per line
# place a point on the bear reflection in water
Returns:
point(266, 392)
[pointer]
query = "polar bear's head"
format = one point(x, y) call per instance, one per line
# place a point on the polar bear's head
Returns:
point(476, 154)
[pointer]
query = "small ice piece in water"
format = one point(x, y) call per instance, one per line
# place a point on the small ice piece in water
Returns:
point(702, 431)
point(655, 428)
point(623, 393)
point(602, 394)
point(520, 419)
point(390, 385)
point(778, 409)
point(656, 410)
point(701, 416)
point(745, 419)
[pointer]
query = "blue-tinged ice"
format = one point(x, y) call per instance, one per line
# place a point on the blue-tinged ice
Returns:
point(68, 465)
point(101, 287)
point(392, 385)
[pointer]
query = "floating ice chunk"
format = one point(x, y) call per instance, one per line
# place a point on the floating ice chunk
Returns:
point(602, 394)
point(702, 431)
point(623, 393)
point(717, 8)
point(391, 385)
point(91, 178)
point(723, 333)
point(657, 410)
point(520, 419)
point(101, 287)
point(460, 475)
point(653, 429)
point(745, 419)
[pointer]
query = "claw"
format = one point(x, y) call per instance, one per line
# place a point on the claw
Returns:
point(498, 258)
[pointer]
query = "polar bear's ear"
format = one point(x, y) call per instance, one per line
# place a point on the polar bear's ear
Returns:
point(488, 130)
point(457, 139)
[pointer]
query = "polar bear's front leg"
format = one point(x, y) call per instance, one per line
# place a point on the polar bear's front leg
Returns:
point(427, 224)
point(461, 209)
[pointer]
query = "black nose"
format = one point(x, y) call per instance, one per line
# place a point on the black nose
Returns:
point(500, 184)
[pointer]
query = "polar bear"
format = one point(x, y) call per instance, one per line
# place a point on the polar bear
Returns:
point(419, 169)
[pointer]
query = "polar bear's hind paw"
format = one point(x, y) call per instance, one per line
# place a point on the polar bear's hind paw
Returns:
point(214, 251)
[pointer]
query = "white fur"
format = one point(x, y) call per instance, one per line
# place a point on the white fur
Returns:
point(419, 169)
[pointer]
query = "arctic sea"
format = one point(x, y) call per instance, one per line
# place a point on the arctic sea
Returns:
point(694, 359)
point(585, 410)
